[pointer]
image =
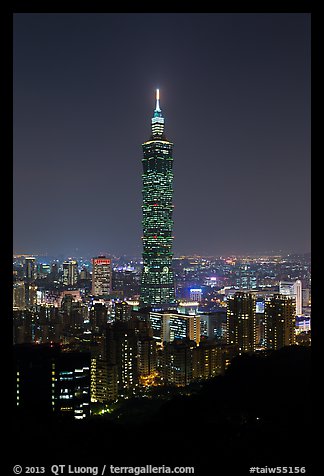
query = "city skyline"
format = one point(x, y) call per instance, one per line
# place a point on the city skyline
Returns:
point(237, 108)
point(162, 276)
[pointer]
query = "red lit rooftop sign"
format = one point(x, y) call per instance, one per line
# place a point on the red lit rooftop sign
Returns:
point(101, 261)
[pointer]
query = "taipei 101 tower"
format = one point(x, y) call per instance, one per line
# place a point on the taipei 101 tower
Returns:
point(157, 283)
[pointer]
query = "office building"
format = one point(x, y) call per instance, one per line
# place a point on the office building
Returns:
point(177, 327)
point(157, 282)
point(70, 273)
point(51, 382)
point(241, 321)
point(101, 276)
point(170, 326)
point(159, 326)
point(72, 382)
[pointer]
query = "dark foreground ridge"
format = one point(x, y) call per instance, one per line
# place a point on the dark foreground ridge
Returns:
point(257, 414)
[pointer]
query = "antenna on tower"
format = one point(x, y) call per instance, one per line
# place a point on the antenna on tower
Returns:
point(157, 107)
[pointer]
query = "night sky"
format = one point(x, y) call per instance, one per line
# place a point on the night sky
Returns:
point(235, 94)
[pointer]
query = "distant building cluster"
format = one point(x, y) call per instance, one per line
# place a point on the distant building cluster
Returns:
point(91, 342)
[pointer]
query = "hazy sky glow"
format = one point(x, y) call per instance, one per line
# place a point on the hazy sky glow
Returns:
point(235, 94)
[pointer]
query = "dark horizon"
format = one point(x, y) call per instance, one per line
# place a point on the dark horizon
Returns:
point(235, 94)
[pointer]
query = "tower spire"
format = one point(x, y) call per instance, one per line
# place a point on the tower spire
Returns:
point(157, 96)
point(157, 119)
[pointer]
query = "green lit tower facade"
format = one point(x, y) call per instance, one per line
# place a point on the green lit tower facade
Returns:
point(157, 283)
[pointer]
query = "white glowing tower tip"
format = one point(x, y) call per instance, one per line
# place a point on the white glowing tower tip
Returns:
point(157, 108)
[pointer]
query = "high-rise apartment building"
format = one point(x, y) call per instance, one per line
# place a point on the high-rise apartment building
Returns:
point(131, 356)
point(147, 360)
point(157, 282)
point(178, 362)
point(99, 369)
point(241, 321)
point(121, 342)
point(298, 290)
point(293, 289)
point(208, 360)
point(99, 380)
point(101, 276)
point(280, 321)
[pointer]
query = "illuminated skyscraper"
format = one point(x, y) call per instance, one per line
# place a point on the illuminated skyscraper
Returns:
point(157, 284)
point(101, 276)
point(70, 273)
